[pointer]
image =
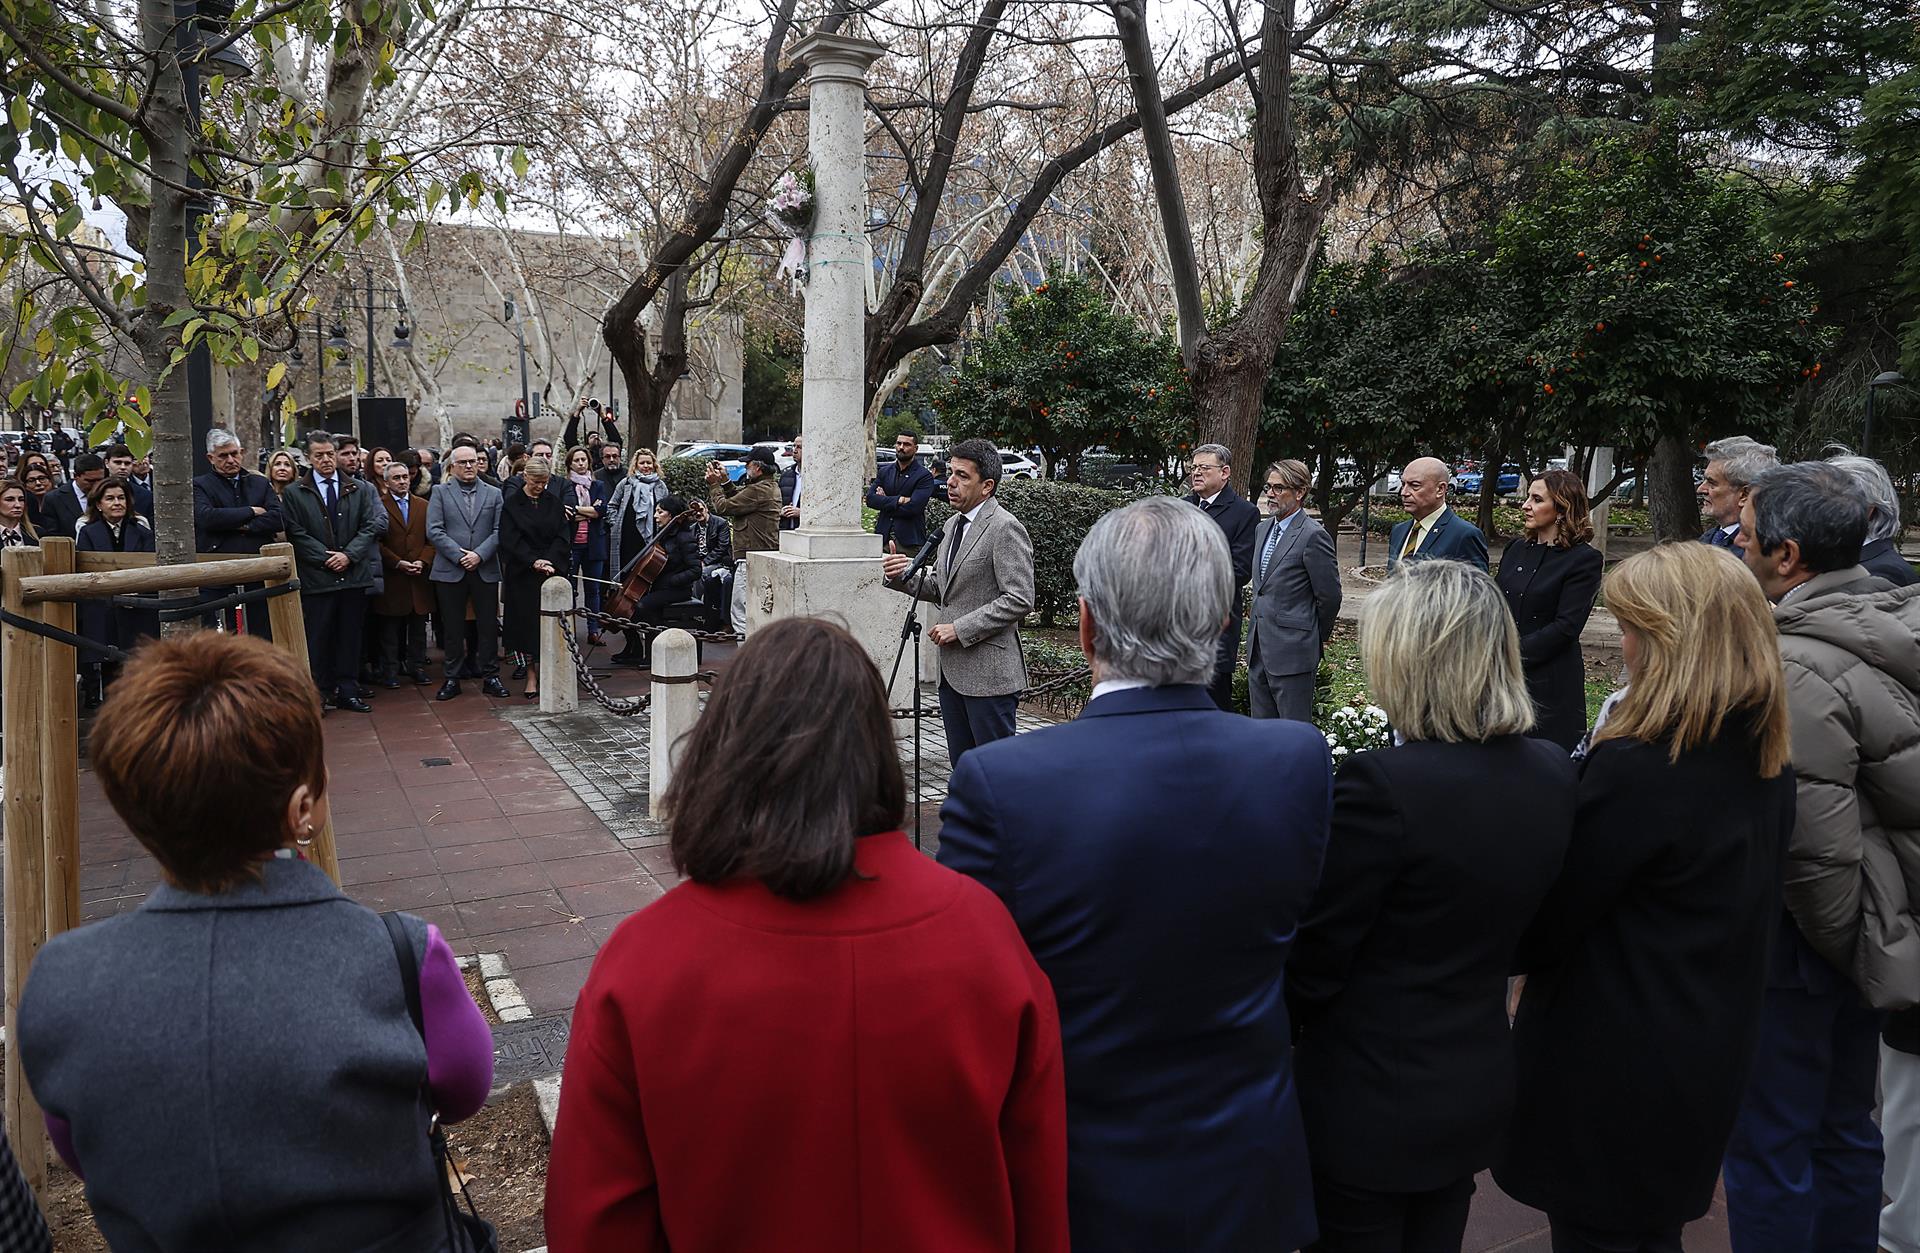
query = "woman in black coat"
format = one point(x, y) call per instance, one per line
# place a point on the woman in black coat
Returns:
point(1397, 982)
point(1646, 967)
point(534, 546)
point(1550, 579)
point(680, 538)
point(112, 526)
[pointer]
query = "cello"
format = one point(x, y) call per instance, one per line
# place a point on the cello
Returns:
point(640, 576)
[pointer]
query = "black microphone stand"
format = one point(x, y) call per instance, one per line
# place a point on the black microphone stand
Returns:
point(910, 630)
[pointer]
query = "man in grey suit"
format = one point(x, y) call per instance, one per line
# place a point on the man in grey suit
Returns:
point(1296, 596)
point(983, 582)
point(463, 525)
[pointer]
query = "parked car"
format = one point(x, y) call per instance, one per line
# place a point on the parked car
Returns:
point(782, 450)
point(1017, 465)
point(1467, 482)
point(730, 456)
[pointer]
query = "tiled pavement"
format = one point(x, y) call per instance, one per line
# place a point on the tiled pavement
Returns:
point(452, 812)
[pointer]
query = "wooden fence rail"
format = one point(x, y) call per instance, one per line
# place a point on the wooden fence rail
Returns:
point(39, 725)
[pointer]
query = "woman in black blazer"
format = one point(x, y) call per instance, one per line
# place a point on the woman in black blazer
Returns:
point(112, 526)
point(534, 546)
point(1550, 579)
point(1441, 848)
point(1646, 967)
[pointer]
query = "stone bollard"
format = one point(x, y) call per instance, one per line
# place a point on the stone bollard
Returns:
point(559, 686)
point(673, 710)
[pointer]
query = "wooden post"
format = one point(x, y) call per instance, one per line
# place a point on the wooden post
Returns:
point(22, 658)
point(672, 711)
point(559, 686)
point(60, 754)
point(290, 633)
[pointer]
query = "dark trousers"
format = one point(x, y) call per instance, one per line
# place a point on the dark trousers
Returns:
point(1226, 655)
point(453, 599)
point(589, 588)
point(1574, 1238)
point(1803, 1169)
point(403, 644)
point(974, 720)
point(1360, 1220)
point(334, 622)
point(256, 612)
point(716, 593)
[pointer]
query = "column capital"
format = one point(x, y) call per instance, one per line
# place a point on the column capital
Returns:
point(844, 57)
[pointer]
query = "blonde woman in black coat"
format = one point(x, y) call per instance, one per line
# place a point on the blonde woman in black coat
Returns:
point(1550, 579)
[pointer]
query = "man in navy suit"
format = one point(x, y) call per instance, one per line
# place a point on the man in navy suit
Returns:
point(1434, 531)
point(234, 511)
point(1733, 464)
point(899, 494)
point(1157, 854)
point(1211, 475)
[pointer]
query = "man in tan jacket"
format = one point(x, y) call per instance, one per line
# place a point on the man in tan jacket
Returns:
point(1803, 1169)
point(983, 582)
point(754, 508)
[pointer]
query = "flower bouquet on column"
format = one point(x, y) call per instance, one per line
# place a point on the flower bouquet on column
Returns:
point(1349, 730)
point(791, 201)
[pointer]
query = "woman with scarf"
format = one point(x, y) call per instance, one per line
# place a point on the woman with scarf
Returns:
point(586, 500)
point(630, 511)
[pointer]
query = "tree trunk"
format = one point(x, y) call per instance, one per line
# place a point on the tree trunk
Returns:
point(168, 138)
point(1496, 455)
point(1227, 389)
point(1674, 510)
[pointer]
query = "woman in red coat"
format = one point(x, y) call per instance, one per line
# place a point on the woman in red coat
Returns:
point(823, 1040)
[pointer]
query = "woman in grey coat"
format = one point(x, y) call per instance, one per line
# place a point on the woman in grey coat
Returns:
point(235, 1065)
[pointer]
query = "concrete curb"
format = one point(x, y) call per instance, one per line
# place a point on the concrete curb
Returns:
point(511, 1006)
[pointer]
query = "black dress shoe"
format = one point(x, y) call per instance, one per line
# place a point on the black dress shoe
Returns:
point(390, 683)
point(420, 678)
point(353, 704)
point(519, 673)
point(494, 687)
point(448, 690)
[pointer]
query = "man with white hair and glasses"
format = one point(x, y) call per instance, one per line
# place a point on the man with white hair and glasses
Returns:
point(1157, 861)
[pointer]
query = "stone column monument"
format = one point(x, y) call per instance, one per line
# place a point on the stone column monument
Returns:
point(830, 566)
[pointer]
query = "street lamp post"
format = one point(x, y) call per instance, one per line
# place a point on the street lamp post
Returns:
point(520, 335)
point(337, 340)
point(1887, 378)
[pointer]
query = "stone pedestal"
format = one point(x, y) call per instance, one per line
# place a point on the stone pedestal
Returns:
point(830, 566)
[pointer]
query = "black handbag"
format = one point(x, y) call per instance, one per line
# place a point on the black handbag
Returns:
point(466, 1230)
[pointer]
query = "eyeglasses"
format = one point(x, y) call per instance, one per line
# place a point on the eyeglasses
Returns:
point(1276, 487)
point(1202, 465)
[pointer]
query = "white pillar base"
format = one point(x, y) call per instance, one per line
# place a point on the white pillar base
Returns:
point(848, 591)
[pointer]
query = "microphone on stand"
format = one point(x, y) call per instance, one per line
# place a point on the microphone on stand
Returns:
point(924, 558)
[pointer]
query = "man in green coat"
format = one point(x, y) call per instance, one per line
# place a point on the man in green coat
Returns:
point(331, 524)
point(754, 508)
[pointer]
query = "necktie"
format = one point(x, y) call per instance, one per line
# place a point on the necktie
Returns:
point(1413, 541)
point(11, 539)
point(333, 501)
point(953, 549)
point(239, 491)
point(1266, 554)
point(1721, 538)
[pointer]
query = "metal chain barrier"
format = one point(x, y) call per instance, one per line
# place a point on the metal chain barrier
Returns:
point(638, 704)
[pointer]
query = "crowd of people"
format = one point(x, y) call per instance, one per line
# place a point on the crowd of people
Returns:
point(394, 547)
point(1174, 980)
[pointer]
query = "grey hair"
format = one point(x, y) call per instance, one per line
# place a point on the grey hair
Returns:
point(1217, 450)
point(1741, 459)
point(1158, 579)
point(1443, 656)
point(1883, 522)
point(1816, 505)
point(311, 438)
point(983, 455)
point(1294, 475)
point(220, 437)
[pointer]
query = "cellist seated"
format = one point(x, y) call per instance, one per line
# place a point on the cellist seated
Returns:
point(677, 540)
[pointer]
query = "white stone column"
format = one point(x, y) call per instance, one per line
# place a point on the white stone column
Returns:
point(672, 712)
point(830, 566)
point(559, 685)
point(833, 389)
point(1599, 470)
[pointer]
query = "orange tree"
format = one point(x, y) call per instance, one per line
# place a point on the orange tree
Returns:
point(1064, 372)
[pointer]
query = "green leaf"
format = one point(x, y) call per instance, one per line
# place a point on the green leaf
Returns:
point(22, 115)
point(520, 163)
point(275, 374)
point(18, 396)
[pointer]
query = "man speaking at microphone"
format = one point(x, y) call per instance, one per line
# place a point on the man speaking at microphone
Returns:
point(982, 579)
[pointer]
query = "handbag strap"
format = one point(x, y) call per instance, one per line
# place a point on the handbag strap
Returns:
point(409, 968)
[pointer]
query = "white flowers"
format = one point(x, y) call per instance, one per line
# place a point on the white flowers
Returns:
point(1349, 730)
